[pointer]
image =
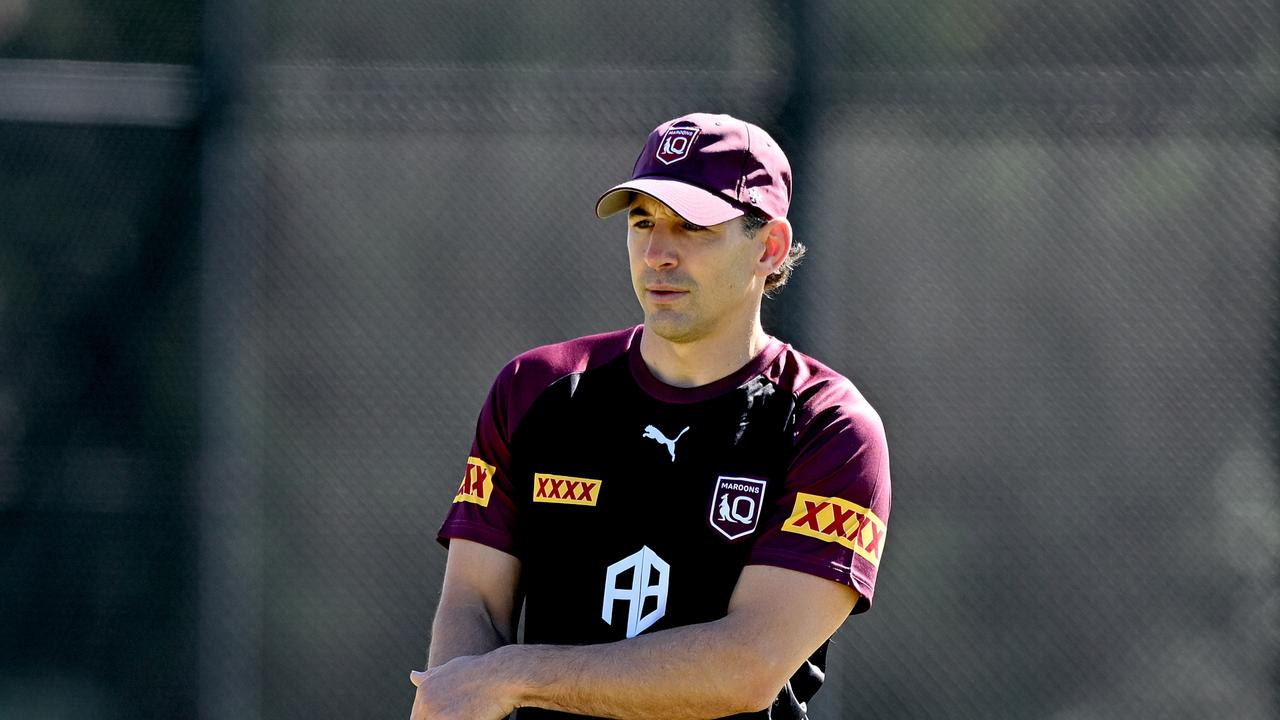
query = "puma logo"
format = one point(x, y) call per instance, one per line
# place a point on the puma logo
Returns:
point(655, 434)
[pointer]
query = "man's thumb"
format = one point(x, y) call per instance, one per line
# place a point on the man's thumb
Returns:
point(416, 677)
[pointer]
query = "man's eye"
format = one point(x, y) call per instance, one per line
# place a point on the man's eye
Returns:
point(693, 228)
point(642, 224)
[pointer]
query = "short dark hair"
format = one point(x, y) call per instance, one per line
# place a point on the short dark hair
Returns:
point(751, 224)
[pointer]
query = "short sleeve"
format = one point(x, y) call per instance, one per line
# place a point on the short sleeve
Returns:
point(832, 516)
point(483, 509)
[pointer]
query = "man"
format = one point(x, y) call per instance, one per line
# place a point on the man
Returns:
point(687, 509)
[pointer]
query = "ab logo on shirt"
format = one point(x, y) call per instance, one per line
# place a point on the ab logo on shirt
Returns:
point(649, 576)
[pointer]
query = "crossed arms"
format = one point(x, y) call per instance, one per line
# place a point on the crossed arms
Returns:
point(776, 619)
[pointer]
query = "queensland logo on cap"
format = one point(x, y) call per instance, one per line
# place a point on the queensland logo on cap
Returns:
point(736, 505)
point(676, 143)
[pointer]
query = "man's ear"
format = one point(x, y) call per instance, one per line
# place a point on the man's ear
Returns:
point(776, 237)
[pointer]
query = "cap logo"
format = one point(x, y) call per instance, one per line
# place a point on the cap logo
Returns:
point(676, 144)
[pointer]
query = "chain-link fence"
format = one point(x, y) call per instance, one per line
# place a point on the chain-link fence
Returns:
point(1043, 241)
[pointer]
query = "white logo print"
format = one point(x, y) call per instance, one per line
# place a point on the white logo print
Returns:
point(731, 513)
point(735, 505)
point(676, 144)
point(643, 563)
point(654, 433)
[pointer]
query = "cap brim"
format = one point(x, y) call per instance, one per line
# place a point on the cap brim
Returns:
point(690, 202)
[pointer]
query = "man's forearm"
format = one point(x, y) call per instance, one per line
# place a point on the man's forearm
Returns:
point(736, 664)
point(462, 629)
point(698, 671)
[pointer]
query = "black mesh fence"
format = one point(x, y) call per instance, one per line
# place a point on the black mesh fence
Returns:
point(1043, 241)
point(98, 425)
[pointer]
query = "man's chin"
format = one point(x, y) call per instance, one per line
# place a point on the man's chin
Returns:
point(672, 326)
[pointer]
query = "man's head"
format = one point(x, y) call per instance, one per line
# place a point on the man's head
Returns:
point(707, 228)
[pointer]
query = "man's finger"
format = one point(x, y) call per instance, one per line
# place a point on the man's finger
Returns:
point(416, 677)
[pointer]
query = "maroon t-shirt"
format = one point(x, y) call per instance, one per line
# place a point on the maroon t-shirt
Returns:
point(633, 505)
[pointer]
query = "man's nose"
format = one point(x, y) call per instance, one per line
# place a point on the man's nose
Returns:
point(660, 253)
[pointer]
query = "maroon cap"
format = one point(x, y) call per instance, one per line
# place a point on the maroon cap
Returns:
point(709, 169)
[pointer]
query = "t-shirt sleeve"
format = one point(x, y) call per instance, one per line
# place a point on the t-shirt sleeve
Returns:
point(483, 508)
point(832, 516)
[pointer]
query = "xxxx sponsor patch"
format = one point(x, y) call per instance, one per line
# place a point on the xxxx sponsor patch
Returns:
point(565, 490)
point(837, 520)
point(477, 483)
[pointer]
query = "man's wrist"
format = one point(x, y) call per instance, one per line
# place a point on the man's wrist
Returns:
point(505, 666)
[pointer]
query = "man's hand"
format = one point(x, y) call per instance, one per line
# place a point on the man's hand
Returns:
point(462, 689)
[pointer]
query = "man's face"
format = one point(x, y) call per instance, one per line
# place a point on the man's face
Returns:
point(692, 281)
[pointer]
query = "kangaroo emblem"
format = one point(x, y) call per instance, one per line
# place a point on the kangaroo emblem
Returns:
point(655, 434)
point(729, 515)
point(725, 513)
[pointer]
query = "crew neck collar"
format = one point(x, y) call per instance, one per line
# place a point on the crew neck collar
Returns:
point(663, 392)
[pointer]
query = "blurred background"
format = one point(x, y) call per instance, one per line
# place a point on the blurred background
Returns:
point(259, 262)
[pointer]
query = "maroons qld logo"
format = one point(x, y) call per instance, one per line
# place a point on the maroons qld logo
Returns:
point(676, 144)
point(736, 505)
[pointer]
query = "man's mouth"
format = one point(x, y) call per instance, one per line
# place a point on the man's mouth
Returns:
point(665, 292)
